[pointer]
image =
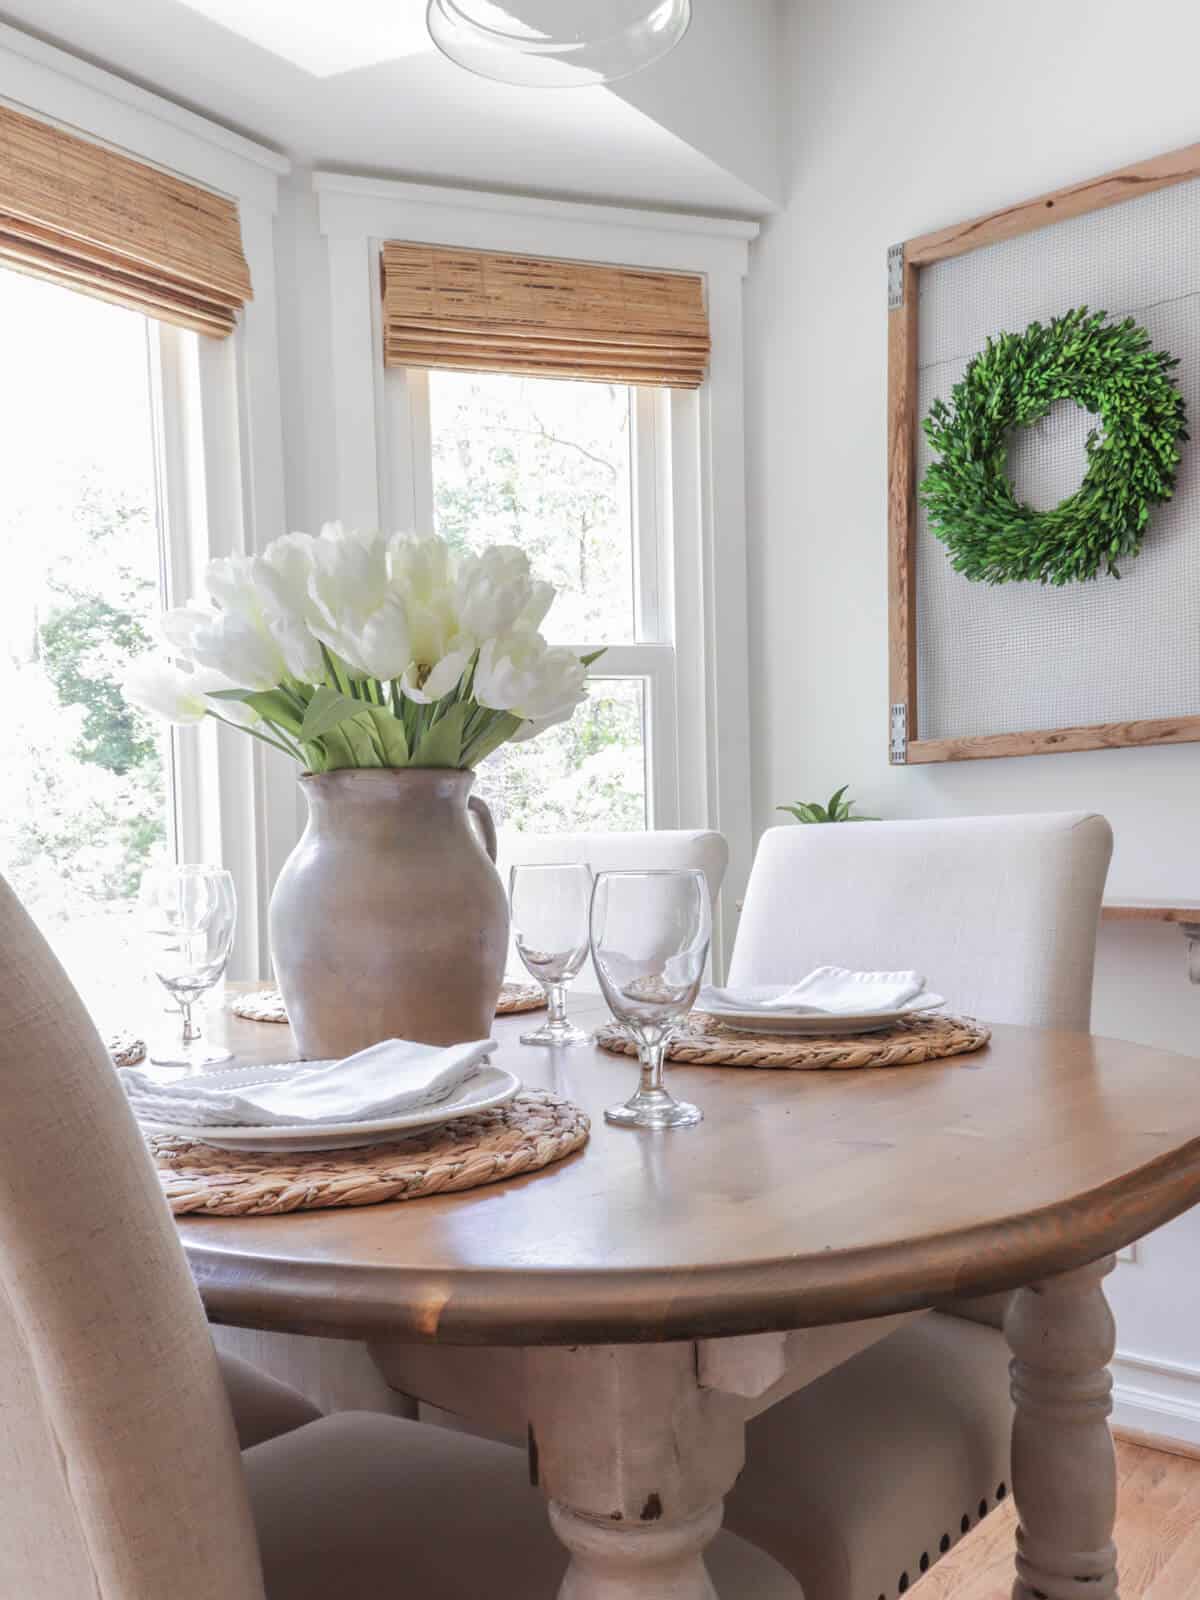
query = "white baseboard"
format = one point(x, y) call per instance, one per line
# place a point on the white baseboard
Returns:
point(1157, 1399)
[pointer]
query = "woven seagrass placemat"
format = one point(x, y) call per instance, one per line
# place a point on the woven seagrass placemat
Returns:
point(530, 1132)
point(266, 1005)
point(125, 1049)
point(706, 1042)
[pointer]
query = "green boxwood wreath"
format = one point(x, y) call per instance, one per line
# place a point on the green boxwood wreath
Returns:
point(1107, 368)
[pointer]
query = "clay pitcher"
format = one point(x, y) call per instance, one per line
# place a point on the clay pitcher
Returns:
point(389, 919)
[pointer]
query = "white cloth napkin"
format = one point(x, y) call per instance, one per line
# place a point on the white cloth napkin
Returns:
point(385, 1080)
point(828, 991)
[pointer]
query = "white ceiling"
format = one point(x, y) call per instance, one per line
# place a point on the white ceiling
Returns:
point(325, 39)
point(356, 84)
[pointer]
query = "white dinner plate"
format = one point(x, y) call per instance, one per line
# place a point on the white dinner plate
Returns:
point(808, 1026)
point(490, 1086)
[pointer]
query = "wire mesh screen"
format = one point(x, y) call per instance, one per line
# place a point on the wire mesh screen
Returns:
point(1021, 657)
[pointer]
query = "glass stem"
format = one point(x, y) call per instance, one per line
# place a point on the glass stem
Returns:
point(556, 999)
point(651, 1057)
point(190, 1031)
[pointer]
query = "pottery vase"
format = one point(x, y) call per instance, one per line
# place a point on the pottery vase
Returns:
point(389, 919)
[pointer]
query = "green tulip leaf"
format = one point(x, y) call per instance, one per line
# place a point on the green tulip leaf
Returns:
point(492, 737)
point(327, 710)
point(390, 733)
point(441, 746)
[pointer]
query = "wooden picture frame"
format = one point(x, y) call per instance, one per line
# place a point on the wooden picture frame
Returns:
point(905, 262)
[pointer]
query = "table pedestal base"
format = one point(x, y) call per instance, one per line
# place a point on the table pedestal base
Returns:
point(1062, 1337)
point(635, 1458)
point(648, 1563)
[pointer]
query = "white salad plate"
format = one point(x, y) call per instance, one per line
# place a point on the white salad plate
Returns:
point(809, 1025)
point(490, 1086)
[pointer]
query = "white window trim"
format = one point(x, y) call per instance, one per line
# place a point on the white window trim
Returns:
point(221, 472)
point(706, 590)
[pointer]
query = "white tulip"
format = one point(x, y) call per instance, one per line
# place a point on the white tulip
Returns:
point(425, 684)
point(228, 643)
point(356, 614)
point(230, 585)
point(376, 645)
point(157, 686)
point(423, 572)
point(530, 730)
point(269, 595)
point(349, 574)
point(300, 648)
point(281, 575)
point(494, 590)
point(533, 613)
point(521, 673)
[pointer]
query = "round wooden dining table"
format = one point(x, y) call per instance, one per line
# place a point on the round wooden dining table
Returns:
point(657, 1289)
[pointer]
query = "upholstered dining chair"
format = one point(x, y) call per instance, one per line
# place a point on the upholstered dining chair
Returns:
point(120, 1473)
point(660, 848)
point(898, 1443)
point(1000, 914)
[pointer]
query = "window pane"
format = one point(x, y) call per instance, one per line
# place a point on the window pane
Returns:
point(587, 775)
point(83, 779)
point(544, 464)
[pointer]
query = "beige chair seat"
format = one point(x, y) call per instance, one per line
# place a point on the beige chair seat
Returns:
point(859, 1482)
point(363, 1507)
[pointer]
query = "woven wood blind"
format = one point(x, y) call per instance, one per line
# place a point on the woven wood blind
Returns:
point(108, 226)
point(478, 311)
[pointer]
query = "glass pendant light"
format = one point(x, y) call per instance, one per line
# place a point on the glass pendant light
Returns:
point(557, 44)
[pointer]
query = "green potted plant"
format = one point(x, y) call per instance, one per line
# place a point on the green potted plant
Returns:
point(836, 809)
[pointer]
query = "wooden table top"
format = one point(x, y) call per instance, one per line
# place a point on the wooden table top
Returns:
point(803, 1198)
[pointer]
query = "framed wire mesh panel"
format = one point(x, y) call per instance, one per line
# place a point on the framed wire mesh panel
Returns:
point(1021, 668)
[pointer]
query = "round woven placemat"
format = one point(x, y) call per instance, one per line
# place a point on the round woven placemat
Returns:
point(703, 1041)
point(532, 1131)
point(125, 1049)
point(516, 997)
point(266, 1005)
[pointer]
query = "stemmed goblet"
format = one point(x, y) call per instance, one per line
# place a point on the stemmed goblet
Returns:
point(650, 934)
point(550, 929)
point(188, 914)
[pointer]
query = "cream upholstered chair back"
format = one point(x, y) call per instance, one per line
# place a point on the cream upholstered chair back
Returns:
point(999, 913)
point(664, 849)
point(120, 1477)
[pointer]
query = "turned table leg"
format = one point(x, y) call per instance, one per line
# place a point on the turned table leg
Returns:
point(635, 1458)
point(1064, 1470)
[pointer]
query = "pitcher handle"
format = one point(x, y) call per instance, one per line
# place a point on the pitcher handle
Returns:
point(485, 823)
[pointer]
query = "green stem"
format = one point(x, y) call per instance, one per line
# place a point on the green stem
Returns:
point(294, 753)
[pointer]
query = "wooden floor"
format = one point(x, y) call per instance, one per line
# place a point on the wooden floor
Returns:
point(1158, 1537)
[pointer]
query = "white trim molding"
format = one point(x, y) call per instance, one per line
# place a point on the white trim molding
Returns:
point(706, 429)
point(1157, 1399)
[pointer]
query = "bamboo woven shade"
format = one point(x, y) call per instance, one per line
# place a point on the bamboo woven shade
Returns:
point(478, 311)
point(105, 225)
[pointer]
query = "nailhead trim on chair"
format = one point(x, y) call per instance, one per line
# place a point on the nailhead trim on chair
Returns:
point(946, 1541)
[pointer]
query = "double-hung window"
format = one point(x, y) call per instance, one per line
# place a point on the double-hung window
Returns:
point(571, 471)
point(125, 425)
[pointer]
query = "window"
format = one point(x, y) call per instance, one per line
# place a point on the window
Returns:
point(86, 784)
point(570, 472)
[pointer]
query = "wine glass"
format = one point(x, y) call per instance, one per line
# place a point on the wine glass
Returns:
point(650, 933)
point(550, 927)
point(188, 914)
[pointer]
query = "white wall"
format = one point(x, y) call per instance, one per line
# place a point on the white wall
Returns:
point(897, 120)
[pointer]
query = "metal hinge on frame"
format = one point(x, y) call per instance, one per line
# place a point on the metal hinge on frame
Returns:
point(898, 741)
point(895, 269)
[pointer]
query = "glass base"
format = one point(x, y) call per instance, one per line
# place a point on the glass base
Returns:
point(194, 1056)
point(654, 1108)
point(557, 1033)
